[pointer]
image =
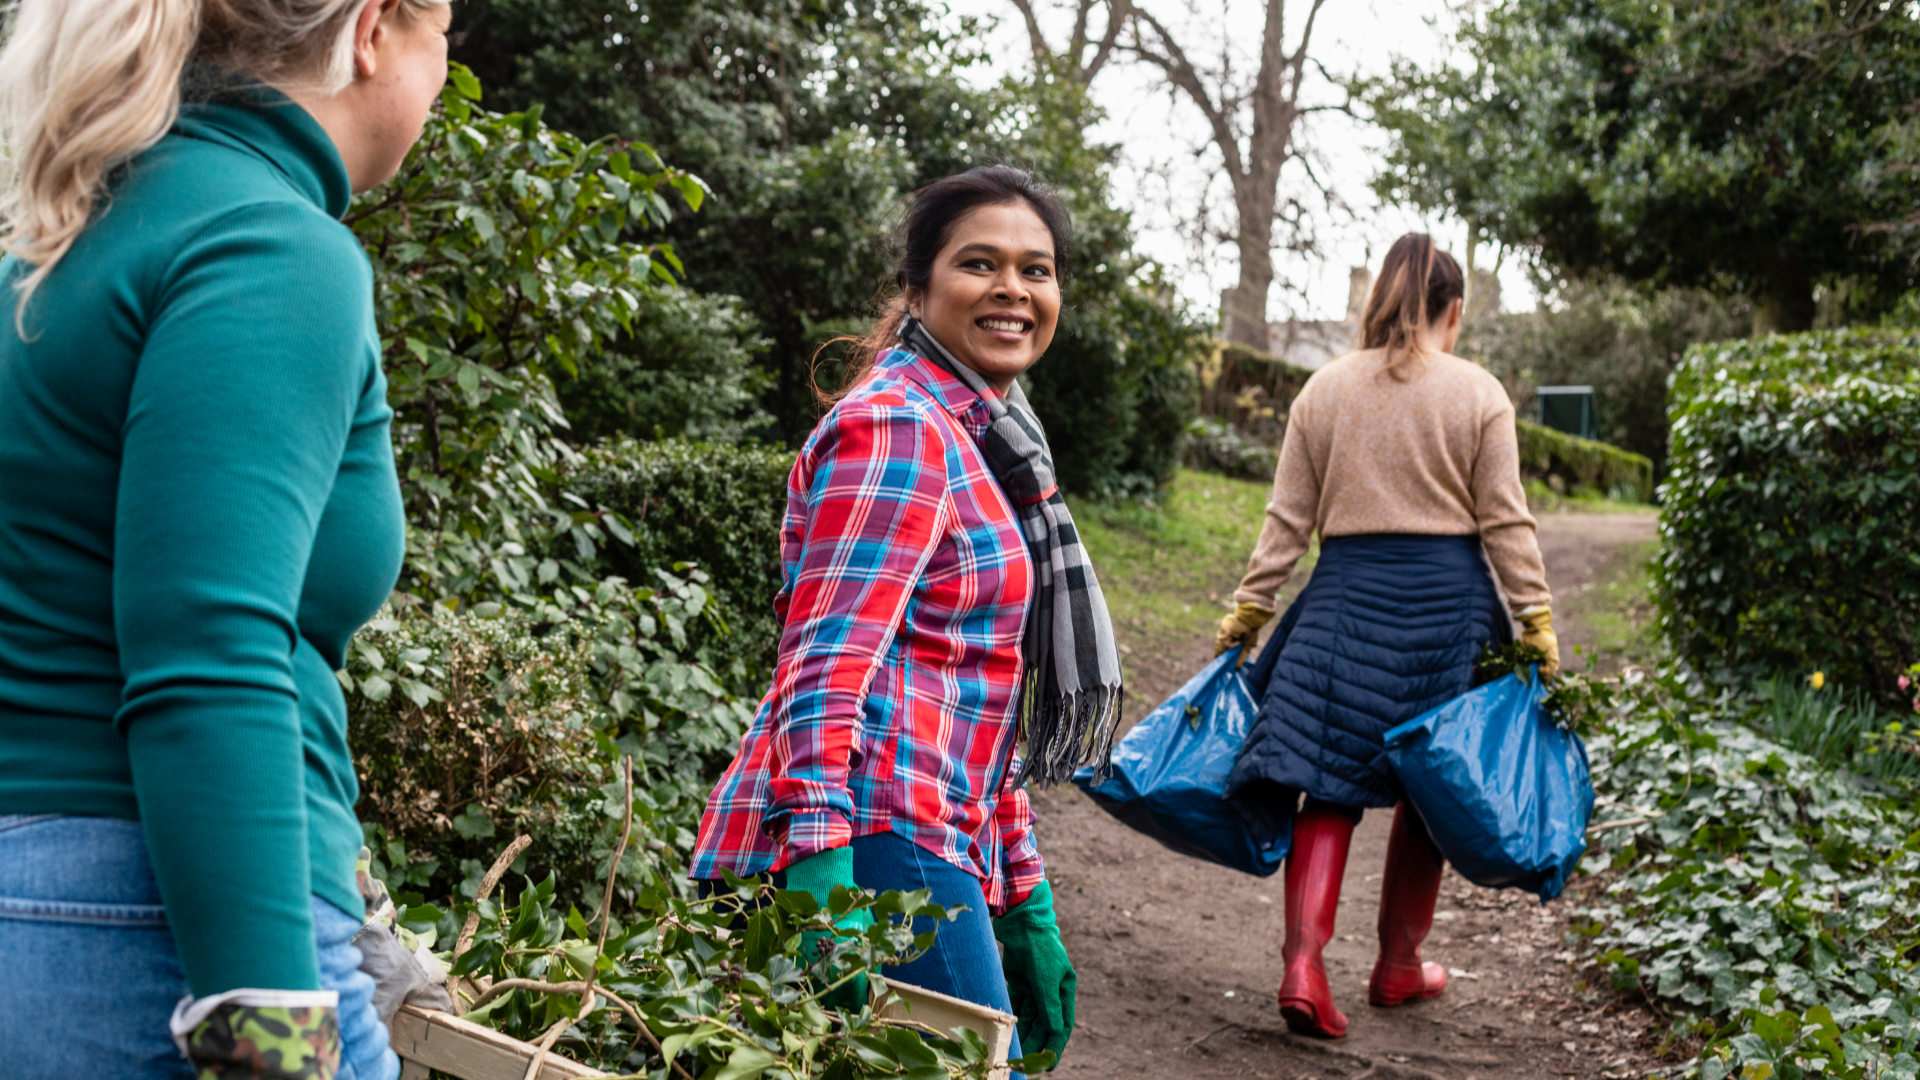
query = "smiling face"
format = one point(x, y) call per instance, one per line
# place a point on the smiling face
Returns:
point(993, 299)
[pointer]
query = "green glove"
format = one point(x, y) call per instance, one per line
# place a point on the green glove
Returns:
point(1040, 980)
point(260, 1035)
point(818, 874)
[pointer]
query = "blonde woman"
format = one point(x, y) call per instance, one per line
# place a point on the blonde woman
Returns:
point(198, 510)
point(1403, 458)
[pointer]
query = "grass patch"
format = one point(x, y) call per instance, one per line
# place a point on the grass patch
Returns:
point(1169, 569)
point(1618, 612)
point(1543, 499)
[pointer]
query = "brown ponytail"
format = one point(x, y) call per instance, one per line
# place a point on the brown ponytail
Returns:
point(1417, 283)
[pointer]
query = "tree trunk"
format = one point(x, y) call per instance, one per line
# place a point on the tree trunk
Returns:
point(1243, 314)
point(1786, 311)
point(1787, 306)
point(1254, 172)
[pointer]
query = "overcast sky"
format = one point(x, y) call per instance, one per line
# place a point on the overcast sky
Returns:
point(1159, 134)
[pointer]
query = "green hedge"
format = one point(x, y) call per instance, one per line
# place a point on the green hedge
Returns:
point(1251, 391)
point(716, 506)
point(1790, 539)
point(1583, 464)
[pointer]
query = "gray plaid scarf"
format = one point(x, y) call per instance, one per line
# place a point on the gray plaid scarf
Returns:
point(1070, 691)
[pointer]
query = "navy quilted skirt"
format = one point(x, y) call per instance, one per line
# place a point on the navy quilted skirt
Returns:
point(1388, 627)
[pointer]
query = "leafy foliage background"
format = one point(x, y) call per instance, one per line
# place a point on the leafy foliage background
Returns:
point(721, 502)
point(1761, 901)
point(810, 121)
point(1764, 148)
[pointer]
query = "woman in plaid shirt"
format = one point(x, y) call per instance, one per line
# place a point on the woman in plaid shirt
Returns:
point(921, 638)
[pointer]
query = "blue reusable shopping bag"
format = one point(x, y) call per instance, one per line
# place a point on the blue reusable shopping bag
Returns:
point(1504, 791)
point(1169, 775)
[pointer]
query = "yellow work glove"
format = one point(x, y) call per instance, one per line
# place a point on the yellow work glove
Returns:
point(1538, 621)
point(1239, 626)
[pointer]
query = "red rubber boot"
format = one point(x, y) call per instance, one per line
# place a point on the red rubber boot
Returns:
point(1314, 869)
point(1408, 890)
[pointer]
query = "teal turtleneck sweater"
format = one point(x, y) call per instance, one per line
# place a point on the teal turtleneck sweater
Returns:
point(198, 508)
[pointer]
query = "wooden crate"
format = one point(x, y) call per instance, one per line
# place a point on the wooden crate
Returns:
point(950, 1014)
point(459, 1048)
point(444, 1043)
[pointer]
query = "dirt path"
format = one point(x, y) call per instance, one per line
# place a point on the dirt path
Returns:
point(1178, 960)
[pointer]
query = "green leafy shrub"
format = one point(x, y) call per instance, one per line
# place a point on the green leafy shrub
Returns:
point(1763, 904)
point(1583, 465)
point(1789, 538)
point(474, 727)
point(682, 368)
point(1116, 387)
point(499, 264)
point(1216, 446)
point(715, 505)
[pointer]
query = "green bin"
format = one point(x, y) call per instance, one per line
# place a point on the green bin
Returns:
point(1569, 409)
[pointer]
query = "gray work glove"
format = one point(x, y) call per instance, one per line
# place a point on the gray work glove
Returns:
point(404, 971)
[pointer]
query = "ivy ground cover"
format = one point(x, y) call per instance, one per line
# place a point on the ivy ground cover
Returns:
point(1767, 907)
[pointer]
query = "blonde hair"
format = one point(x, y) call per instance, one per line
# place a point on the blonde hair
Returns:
point(1416, 285)
point(85, 85)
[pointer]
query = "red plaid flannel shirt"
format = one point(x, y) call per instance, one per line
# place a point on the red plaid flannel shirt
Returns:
point(893, 705)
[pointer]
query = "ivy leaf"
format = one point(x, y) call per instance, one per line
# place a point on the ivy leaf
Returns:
point(744, 1062)
point(464, 81)
point(473, 823)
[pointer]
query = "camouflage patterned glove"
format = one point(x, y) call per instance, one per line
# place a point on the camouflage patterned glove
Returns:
point(260, 1034)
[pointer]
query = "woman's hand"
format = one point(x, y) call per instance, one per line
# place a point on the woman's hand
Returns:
point(1040, 980)
point(1538, 633)
point(1238, 626)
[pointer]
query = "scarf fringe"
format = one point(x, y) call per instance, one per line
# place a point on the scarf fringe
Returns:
point(1067, 732)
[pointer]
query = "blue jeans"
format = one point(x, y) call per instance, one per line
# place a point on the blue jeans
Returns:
point(91, 970)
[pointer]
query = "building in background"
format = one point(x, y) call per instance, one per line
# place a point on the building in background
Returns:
point(1310, 343)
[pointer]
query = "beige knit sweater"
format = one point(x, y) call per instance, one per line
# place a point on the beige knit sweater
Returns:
point(1364, 453)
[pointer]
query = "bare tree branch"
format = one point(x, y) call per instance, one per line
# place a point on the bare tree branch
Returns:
point(1118, 11)
point(1253, 158)
point(1074, 58)
point(1173, 63)
point(1077, 41)
point(1042, 51)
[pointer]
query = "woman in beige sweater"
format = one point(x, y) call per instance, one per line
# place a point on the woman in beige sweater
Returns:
point(1403, 457)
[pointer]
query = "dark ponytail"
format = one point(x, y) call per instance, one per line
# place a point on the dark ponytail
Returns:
point(1417, 283)
point(929, 224)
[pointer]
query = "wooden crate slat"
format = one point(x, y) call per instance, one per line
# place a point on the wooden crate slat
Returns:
point(463, 1049)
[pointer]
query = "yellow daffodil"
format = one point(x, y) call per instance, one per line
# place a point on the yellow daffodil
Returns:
point(1818, 679)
